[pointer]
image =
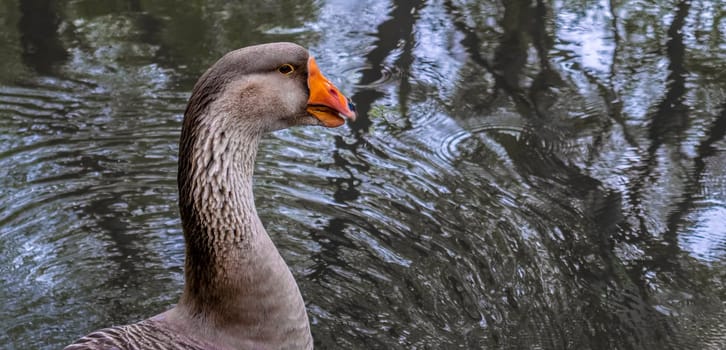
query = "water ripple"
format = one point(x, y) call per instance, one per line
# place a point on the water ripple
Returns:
point(374, 76)
point(100, 175)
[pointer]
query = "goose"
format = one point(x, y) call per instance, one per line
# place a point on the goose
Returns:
point(238, 291)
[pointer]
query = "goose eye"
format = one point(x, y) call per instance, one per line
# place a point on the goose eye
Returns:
point(286, 69)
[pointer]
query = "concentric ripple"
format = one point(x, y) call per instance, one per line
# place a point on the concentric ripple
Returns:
point(100, 179)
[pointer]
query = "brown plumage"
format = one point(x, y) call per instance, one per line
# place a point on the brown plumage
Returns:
point(238, 292)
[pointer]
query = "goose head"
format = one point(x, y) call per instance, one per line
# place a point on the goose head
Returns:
point(268, 87)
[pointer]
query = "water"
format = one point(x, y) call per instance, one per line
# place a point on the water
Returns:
point(522, 176)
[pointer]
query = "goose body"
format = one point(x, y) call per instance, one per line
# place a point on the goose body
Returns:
point(238, 292)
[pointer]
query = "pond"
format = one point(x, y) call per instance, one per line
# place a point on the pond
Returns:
point(522, 174)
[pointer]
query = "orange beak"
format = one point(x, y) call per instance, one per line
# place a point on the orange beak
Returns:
point(326, 103)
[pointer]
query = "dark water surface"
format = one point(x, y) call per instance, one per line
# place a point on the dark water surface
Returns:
point(523, 174)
